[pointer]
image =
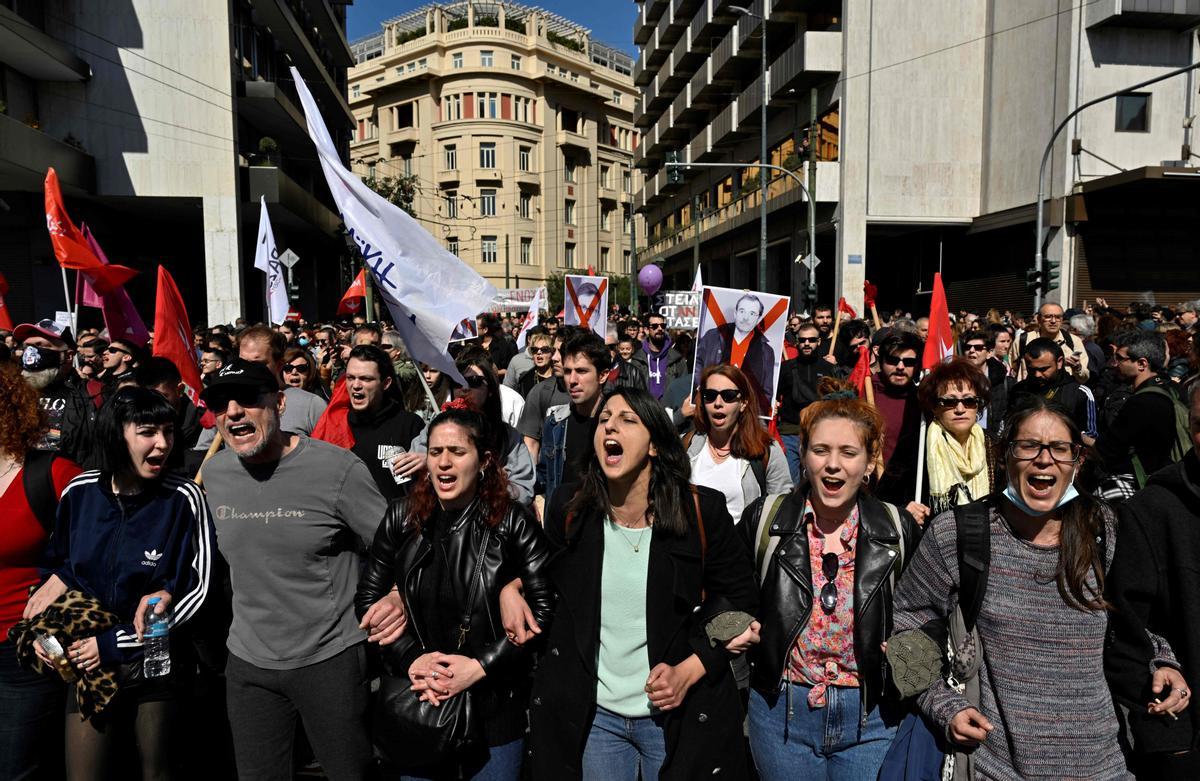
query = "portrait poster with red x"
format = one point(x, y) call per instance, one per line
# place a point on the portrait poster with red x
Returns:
point(585, 302)
point(743, 328)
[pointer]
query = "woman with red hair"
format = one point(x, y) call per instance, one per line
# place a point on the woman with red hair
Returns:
point(730, 450)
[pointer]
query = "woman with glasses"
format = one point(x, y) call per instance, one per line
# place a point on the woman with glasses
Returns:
point(729, 449)
point(299, 370)
point(827, 557)
point(960, 462)
point(541, 348)
point(1044, 708)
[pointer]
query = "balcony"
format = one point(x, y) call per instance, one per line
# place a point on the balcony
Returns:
point(488, 175)
point(648, 15)
point(567, 138)
point(1147, 14)
point(26, 153)
point(30, 51)
point(606, 193)
point(291, 38)
point(528, 179)
point(301, 208)
point(448, 176)
point(268, 107)
point(404, 135)
point(812, 58)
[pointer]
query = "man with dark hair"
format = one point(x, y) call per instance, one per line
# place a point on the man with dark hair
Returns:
point(1042, 362)
point(119, 360)
point(211, 361)
point(301, 409)
point(568, 428)
point(798, 380)
point(160, 374)
point(896, 399)
point(663, 365)
point(743, 344)
point(289, 329)
point(823, 319)
point(1140, 439)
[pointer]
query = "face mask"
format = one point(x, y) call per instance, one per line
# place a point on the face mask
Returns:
point(303, 340)
point(1069, 495)
point(36, 359)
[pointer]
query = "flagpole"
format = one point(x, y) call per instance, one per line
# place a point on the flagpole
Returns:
point(921, 460)
point(67, 298)
point(428, 390)
point(837, 324)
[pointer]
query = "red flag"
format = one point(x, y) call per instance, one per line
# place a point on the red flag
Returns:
point(355, 295)
point(72, 249)
point(173, 335)
point(870, 292)
point(334, 425)
point(844, 307)
point(862, 371)
point(121, 317)
point(5, 318)
point(939, 346)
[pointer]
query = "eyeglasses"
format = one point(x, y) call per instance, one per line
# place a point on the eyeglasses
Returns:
point(1031, 450)
point(976, 348)
point(807, 340)
point(295, 368)
point(245, 397)
point(829, 592)
point(949, 402)
point(542, 350)
point(892, 360)
point(728, 395)
point(1051, 317)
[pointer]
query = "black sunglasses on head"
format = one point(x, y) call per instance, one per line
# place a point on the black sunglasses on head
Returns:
point(475, 380)
point(728, 395)
point(892, 360)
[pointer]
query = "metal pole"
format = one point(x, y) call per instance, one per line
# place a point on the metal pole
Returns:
point(696, 243)
point(1041, 196)
point(762, 171)
point(812, 188)
point(633, 263)
point(506, 260)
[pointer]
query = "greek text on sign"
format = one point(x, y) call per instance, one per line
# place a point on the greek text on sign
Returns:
point(680, 308)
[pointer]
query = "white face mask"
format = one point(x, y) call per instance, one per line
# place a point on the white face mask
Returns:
point(1069, 495)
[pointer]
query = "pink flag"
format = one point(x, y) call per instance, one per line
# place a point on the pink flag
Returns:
point(121, 318)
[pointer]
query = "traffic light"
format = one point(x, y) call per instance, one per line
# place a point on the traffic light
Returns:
point(1053, 272)
point(674, 174)
point(810, 296)
point(1033, 280)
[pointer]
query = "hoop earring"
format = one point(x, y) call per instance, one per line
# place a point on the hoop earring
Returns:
point(866, 478)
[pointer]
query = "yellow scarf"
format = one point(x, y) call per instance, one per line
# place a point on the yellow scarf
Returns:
point(954, 466)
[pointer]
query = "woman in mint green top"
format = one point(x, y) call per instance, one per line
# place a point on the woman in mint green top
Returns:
point(629, 685)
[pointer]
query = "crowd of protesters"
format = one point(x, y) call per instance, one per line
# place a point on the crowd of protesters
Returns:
point(584, 562)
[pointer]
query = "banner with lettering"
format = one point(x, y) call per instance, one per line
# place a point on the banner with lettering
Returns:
point(680, 308)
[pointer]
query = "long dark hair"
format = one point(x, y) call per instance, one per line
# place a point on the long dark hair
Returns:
point(492, 411)
point(670, 470)
point(1082, 519)
point(492, 490)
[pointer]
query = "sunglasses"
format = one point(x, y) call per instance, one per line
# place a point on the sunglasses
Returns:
point(295, 368)
point(829, 592)
point(245, 397)
point(475, 380)
point(976, 348)
point(949, 402)
point(657, 326)
point(807, 340)
point(116, 350)
point(729, 395)
point(542, 350)
point(892, 360)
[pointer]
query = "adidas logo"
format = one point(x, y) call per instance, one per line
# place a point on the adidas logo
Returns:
point(152, 557)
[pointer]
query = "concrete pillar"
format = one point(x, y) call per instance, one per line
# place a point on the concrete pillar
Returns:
point(853, 153)
point(222, 270)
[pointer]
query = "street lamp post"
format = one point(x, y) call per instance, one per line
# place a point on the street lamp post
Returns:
point(762, 152)
point(812, 213)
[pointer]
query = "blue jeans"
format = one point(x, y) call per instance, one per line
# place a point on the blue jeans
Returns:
point(822, 744)
point(617, 747)
point(31, 720)
point(503, 763)
point(791, 449)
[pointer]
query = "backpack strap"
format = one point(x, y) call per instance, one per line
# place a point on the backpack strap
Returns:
point(39, 487)
point(700, 524)
point(765, 543)
point(759, 467)
point(973, 525)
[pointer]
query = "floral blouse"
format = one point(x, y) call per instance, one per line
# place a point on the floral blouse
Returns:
point(823, 654)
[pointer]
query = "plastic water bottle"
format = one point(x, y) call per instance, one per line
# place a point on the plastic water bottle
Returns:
point(157, 641)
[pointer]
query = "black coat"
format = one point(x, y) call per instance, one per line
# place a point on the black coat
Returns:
point(1153, 584)
point(684, 588)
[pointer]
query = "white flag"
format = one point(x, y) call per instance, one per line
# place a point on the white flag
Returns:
point(531, 318)
point(428, 290)
point(266, 260)
point(698, 285)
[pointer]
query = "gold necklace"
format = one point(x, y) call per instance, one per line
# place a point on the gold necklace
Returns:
point(637, 547)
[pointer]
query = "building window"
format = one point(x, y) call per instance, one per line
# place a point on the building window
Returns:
point(487, 203)
point(354, 91)
point(604, 175)
point(485, 58)
point(604, 258)
point(406, 162)
point(628, 223)
point(1133, 113)
point(412, 66)
point(627, 182)
point(625, 265)
point(456, 59)
point(489, 249)
point(451, 157)
point(452, 105)
point(617, 97)
point(526, 252)
point(569, 256)
point(423, 63)
point(606, 219)
point(523, 155)
point(370, 170)
point(452, 203)
point(452, 245)
point(522, 109)
point(516, 62)
point(569, 212)
point(568, 170)
point(487, 154)
point(525, 205)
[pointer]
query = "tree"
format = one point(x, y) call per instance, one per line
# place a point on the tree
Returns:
point(398, 190)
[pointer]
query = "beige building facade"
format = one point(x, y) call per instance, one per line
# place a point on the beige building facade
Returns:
point(519, 131)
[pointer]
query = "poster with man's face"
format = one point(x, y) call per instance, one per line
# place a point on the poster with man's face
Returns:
point(743, 328)
point(585, 302)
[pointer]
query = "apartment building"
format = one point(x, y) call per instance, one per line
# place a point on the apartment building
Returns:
point(166, 120)
point(518, 128)
point(919, 129)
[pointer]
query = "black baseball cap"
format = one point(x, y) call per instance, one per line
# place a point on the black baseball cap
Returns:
point(237, 376)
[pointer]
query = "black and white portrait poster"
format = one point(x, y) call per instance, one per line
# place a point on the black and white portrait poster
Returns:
point(743, 328)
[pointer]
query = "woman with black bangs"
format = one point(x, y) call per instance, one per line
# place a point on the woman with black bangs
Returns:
point(630, 682)
point(126, 533)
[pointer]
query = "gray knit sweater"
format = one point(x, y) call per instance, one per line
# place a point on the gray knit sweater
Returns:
point(1042, 678)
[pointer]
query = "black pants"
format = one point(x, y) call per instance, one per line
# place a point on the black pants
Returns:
point(329, 698)
point(31, 707)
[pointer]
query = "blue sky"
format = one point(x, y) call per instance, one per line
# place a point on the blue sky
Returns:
point(611, 21)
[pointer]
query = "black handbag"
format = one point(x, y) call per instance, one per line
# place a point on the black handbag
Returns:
point(411, 733)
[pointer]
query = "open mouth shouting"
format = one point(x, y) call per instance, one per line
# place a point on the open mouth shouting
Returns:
point(831, 486)
point(1041, 485)
point(613, 451)
point(358, 398)
point(241, 433)
point(445, 483)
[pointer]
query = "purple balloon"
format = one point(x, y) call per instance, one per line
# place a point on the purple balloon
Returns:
point(650, 279)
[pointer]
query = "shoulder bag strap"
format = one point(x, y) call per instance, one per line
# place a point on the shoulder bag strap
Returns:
point(38, 482)
point(974, 558)
point(464, 624)
point(766, 543)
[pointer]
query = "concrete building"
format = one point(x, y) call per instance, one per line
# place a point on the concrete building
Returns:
point(166, 121)
point(919, 128)
point(518, 128)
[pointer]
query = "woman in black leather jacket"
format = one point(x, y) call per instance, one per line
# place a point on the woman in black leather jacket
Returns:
point(827, 560)
point(428, 545)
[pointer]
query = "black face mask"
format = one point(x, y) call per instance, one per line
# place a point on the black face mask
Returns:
point(38, 358)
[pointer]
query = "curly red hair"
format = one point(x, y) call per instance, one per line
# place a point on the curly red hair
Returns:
point(21, 419)
point(750, 440)
point(492, 490)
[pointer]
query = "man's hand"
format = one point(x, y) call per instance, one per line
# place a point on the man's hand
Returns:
point(41, 599)
point(918, 511)
point(745, 640)
point(139, 617)
point(669, 684)
point(829, 359)
point(1176, 700)
point(515, 615)
point(969, 728)
point(385, 620)
point(407, 464)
